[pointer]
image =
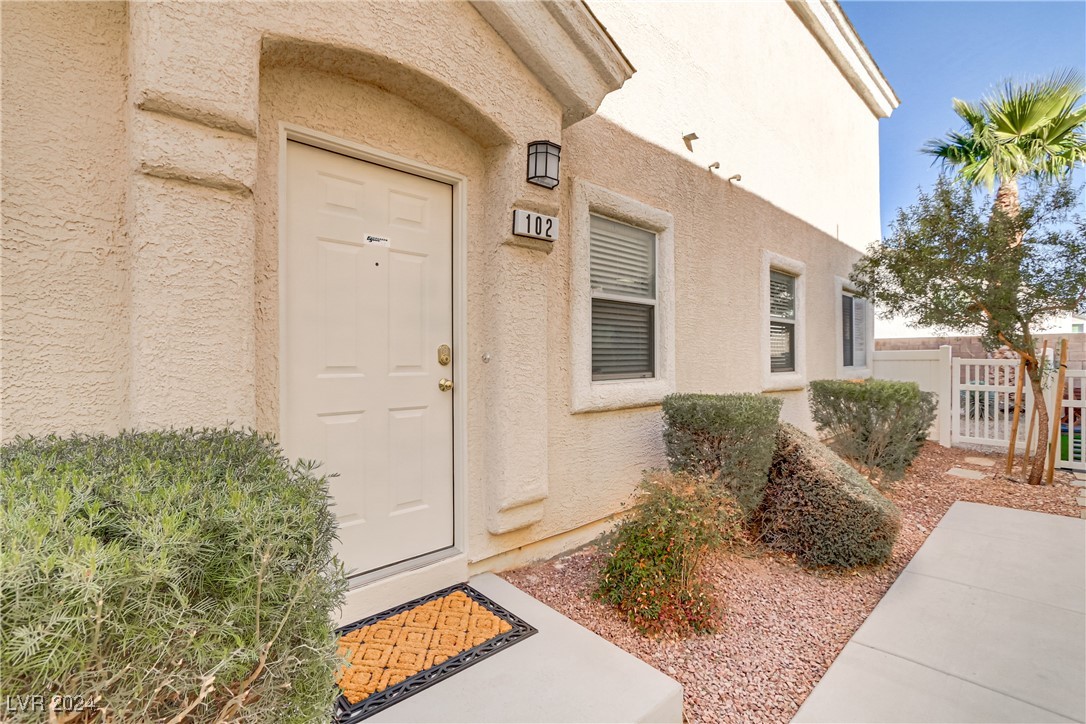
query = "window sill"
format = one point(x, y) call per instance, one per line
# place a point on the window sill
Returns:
point(603, 395)
point(785, 382)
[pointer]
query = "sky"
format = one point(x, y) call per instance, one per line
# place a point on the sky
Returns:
point(933, 51)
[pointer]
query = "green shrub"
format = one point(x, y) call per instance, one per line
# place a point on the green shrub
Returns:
point(728, 438)
point(822, 510)
point(879, 426)
point(653, 574)
point(164, 572)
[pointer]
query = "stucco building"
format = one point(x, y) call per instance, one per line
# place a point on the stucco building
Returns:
point(300, 217)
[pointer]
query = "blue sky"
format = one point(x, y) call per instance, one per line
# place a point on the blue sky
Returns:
point(932, 52)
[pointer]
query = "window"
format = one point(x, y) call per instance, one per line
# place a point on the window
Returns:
point(854, 330)
point(622, 311)
point(1078, 328)
point(623, 280)
point(782, 322)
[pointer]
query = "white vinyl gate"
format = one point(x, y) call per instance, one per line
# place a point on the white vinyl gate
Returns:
point(982, 408)
point(982, 401)
point(1073, 423)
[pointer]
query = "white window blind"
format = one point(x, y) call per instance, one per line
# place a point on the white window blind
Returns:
point(854, 330)
point(782, 322)
point(623, 279)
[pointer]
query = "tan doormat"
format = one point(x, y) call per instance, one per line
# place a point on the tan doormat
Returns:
point(408, 648)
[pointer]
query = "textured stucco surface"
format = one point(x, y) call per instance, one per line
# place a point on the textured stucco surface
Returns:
point(64, 357)
point(359, 98)
point(365, 114)
point(596, 458)
point(172, 317)
point(764, 98)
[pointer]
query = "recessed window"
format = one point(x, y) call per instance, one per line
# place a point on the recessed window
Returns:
point(622, 323)
point(782, 322)
point(854, 330)
point(623, 281)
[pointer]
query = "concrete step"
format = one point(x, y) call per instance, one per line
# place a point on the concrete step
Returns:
point(564, 673)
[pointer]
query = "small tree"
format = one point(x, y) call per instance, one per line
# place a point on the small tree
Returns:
point(950, 263)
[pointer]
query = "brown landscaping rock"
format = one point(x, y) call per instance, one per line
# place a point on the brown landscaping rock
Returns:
point(783, 625)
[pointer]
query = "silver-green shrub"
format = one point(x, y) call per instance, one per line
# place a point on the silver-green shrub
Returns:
point(728, 438)
point(160, 573)
point(879, 426)
point(822, 510)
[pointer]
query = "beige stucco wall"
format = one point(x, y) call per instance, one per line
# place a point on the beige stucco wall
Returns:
point(171, 318)
point(765, 99)
point(64, 313)
point(596, 458)
point(363, 113)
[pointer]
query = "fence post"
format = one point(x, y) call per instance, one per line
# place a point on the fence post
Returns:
point(946, 394)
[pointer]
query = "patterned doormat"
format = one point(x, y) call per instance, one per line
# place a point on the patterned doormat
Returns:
point(406, 649)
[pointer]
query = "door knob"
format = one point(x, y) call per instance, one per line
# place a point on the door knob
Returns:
point(444, 385)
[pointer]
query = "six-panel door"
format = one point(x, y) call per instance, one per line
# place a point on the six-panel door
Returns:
point(367, 280)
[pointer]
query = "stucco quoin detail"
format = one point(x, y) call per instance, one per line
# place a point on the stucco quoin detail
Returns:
point(586, 395)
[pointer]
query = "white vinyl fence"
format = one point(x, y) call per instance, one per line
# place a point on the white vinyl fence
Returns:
point(928, 368)
point(977, 399)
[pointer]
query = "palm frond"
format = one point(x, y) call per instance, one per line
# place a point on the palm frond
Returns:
point(1033, 128)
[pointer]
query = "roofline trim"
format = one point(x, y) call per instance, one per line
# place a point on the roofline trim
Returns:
point(831, 27)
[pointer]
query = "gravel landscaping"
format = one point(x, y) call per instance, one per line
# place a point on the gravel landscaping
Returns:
point(784, 625)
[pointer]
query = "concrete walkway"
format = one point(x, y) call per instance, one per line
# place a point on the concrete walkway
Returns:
point(564, 673)
point(987, 623)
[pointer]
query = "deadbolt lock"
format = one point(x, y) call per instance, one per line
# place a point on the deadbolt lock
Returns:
point(444, 385)
point(444, 355)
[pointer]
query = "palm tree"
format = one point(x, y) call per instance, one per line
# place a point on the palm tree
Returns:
point(1035, 129)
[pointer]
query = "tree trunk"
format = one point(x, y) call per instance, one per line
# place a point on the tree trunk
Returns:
point(1006, 201)
point(1036, 470)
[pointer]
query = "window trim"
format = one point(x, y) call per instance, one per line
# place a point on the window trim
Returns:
point(586, 394)
point(841, 288)
point(797, 379)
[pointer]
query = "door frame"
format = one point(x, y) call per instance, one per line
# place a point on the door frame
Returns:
point(459, 183)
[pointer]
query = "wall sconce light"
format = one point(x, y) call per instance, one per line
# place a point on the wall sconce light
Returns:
point(543, 161)
point(735, 177)
point(689, 139)
point(715, 165)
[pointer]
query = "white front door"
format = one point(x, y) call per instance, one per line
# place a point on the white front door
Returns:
point(367, 279)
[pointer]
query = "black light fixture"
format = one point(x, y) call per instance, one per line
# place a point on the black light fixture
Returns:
point(543, 160)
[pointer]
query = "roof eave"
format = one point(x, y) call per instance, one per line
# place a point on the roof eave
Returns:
point(565, 46)
point(831, 27)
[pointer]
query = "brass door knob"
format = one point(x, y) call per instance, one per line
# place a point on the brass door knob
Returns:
point(444, 385)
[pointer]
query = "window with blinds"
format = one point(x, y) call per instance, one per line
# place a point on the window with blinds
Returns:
point(623, 278)
point(854, 330)
point(782, 322)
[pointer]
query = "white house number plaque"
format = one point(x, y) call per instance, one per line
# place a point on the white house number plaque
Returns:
point(535, 226)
